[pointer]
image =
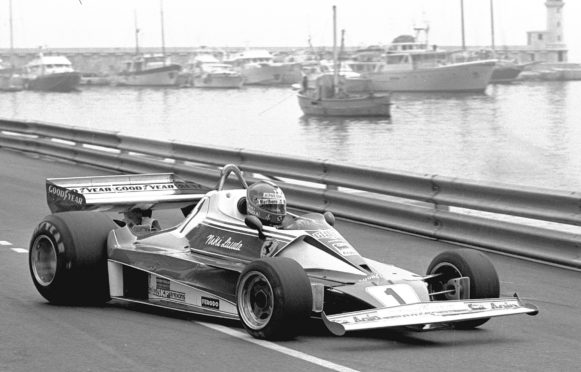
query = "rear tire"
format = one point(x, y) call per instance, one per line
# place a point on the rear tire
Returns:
point(470, 263)
point(274, 298)
point(68, 257)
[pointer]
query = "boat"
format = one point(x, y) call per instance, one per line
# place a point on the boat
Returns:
point(350, 80)
point(94, 78)
point(51, 73)
point(258, 67)
point(152, 69)
point(506, 71)
point(209, 72)
point(10, 78)
point(331, 99)
point(410, 65)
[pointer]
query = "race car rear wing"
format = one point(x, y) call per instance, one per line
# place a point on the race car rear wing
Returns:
point(122, 192)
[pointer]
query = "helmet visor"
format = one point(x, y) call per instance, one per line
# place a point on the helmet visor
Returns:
point(274, 205)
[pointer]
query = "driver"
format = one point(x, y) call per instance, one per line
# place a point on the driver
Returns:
point(266, 201)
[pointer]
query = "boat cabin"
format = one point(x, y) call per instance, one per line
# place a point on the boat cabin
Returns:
point(43, 65)
point(147, 62)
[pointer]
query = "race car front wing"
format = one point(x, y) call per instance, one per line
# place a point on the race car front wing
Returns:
point(425, 313)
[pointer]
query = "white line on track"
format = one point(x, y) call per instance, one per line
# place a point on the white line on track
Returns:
point(280, 349)
point(17, 250)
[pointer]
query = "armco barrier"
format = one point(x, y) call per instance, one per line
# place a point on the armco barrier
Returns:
point(421, 204)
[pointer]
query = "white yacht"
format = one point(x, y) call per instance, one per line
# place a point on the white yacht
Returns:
point(258, 67)
point(409, 65)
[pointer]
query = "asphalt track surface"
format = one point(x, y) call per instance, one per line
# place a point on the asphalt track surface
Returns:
point(35, 335)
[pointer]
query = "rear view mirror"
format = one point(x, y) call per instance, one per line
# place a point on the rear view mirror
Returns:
point(254, 223)
point(329, 218)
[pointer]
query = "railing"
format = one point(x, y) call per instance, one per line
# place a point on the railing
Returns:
point(451, 209)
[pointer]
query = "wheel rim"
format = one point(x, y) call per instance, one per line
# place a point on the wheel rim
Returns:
point(443, 282)
point(255, 300)
point(43, 260)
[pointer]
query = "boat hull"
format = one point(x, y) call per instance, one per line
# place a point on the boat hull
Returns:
point(464, 77)
point(271, 74)
point(506, 74)
point(57, 82)
point(219, 81)
point(363, 105)
point(11, 83)
point(163, 76)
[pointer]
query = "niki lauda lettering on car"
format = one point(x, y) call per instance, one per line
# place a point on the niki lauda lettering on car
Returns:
point(219, 261)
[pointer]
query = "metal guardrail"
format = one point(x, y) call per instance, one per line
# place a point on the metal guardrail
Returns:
point(429, 205)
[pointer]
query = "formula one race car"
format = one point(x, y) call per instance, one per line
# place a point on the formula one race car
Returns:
point(220, 261)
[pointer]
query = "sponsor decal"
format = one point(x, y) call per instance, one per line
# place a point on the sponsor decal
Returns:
point(212, 303)
point(60, 198)
point(162, 289)
point(219, 241)
point(440, 311)
point(494, 306)
point(374, 276)
point(333, 239)
point(177, 186)
point(326, 234)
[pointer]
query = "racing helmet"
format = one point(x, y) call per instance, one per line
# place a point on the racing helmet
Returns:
point(265, 200)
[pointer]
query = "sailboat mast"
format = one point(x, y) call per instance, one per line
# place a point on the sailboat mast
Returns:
point(162, 30)
point(462, 22)
point(335, 57)
point(136, 33)
point(492, 24)
point(11, 37)
point(11, 27)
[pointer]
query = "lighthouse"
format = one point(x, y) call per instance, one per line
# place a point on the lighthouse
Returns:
point(547, 45)
point(554, 21)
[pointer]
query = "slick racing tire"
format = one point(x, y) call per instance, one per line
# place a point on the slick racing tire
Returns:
point(68, 257)
point(274, 298)
point(469, 263)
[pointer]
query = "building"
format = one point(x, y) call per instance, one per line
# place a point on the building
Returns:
point(546, 46)
point(549, 45)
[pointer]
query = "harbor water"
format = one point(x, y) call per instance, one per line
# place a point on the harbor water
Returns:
point(526, 133)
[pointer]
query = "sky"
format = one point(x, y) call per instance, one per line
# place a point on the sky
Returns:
point(262, 23)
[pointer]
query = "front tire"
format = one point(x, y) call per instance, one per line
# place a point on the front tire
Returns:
point(68, 257)
point(469, 263)
point(274, 298)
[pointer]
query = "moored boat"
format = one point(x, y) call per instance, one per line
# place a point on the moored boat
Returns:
point(411, 66)
point(506, 72)
point(330, 98)
point(257, 66)
point(50, 73)
point(208, 72)
point(148, 70)
point(10, 79)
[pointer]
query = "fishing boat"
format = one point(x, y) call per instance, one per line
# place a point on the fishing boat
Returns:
point(330, 98)
point(148, 70)
point(50, 73)
point(153, 69)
